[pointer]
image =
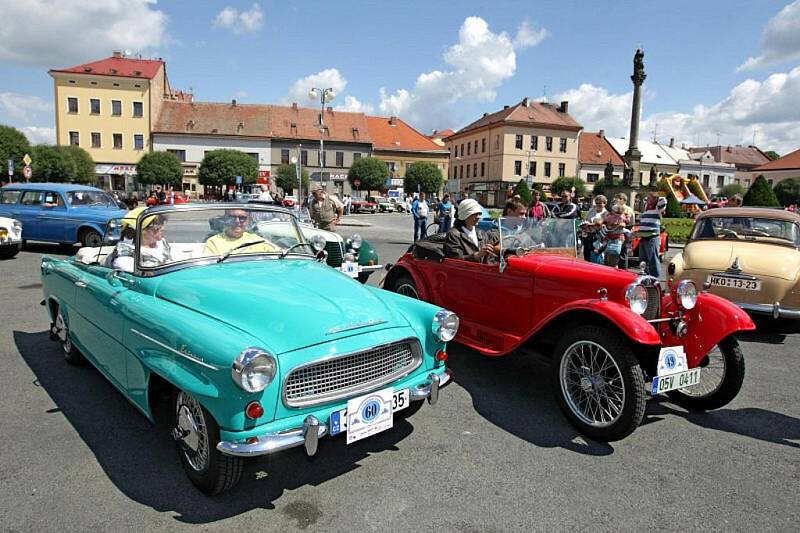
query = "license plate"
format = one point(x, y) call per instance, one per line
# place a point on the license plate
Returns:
point(676, 381)
point(350, 268)
point(365, 424)
point(735, 283)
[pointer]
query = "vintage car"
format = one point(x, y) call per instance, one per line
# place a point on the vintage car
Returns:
point(256, 345)
point(362, 205)
point(613, 337)
point(385, 205)
point(751, 256)
point(400, 205)
point(59, 212)
point(633, 245)
point(10, 237)
point(289, 201)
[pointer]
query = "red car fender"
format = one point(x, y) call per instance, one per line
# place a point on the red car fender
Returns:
point(711, 320)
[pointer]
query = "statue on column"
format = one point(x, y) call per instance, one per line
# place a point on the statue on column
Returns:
point(608, 173)
point(638, 76)
point(627, 176)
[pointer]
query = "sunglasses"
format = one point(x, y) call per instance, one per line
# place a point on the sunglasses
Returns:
point(233, 219)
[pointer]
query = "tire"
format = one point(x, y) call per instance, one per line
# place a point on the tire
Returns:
point(197, 437)
point(61, 331)
point(721, 379)
point(404, 284)
point(91, 238)
point(607, 367)
point(363, 277)
point(7, 252)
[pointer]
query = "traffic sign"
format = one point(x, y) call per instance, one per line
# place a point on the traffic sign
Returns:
point(238, 180)
point(27, 172)
point(10, 167)
point(27, 160)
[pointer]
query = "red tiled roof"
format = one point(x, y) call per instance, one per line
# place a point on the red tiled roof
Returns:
point(596, 150)
point(394, 134)
point(740, 156)
point(440, 134)
point(527, 112)
point(118, 66)
point(341, 125)
point(790, 161)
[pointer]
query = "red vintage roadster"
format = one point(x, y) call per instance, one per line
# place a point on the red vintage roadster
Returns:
point(614, 337)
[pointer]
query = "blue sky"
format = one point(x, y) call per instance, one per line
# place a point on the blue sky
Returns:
point(438, 64)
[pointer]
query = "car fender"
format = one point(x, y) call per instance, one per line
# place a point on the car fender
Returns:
point(407, 267)
point(675, 267)
point(366, 253)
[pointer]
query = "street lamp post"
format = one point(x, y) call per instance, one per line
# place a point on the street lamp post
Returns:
point(324, 96)
point(298, 172)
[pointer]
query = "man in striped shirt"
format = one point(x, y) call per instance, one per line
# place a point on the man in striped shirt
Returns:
point(650, 231)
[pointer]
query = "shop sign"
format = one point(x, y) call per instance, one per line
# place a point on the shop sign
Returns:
point(104, 168)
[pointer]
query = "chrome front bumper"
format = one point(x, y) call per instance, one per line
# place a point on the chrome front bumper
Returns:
point(312, 429)
point(774, 309)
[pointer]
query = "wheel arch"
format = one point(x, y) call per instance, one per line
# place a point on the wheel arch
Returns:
point(401, 269)
point(84, 227)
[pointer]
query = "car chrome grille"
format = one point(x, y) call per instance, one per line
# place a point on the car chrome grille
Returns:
point(350, 374)
point(335, 253)
point(653, 310)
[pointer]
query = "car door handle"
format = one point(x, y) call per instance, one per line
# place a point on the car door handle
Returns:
point(81, 284)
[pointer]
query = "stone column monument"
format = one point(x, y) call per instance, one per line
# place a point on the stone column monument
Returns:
point(633, 156)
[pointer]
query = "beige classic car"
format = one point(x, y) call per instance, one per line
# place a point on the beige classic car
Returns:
point(750, 256)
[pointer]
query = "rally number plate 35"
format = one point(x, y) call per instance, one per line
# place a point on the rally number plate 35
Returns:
point(369, 414)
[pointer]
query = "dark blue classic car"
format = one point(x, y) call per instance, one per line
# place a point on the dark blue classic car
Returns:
point(59, 212)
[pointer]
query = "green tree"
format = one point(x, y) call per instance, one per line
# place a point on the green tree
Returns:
point(371, 172)
point(54, 164)
point(673, 207)
point(788, 191)
point(760, 194)
point(220, 167)
point(731, 189)
point(423, 176)
point(286, 177)
point(566, 184)
point(602, 185)
point(162, 168)
point(84, 164)
point(13, 145)
point(772, 154)
point(523, 191)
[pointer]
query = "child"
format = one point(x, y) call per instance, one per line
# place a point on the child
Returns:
point(615, 223)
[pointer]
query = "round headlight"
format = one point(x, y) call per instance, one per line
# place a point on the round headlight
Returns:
point(318, 242)
point(254, 369)
point(445, 325)
point(17, 224)
point(355, 241)
point(687, 294)
point(637, 298)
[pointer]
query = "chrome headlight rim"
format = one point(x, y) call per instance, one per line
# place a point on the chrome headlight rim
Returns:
point(254, 369)
point(356, 241)
point(636, 296)
point(686, 294)
point(445, 325)
point(17, 225)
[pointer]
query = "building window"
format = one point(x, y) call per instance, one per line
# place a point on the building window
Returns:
point(483, 145)
point(462, 150)
point(592, 177)
point(456, 150)
point(496, 142)
point(95, 139)
point(94, 105)
point(138, 110)
point(706, 178)
point(721, 181)
point(475, 149)
point(461, 171)
point(548, 144)
point(770, 182)
point(304, 157)
point(746, 184)
point(532, 168)
point(468, 147)
point(518, 142)
point(483, 166)
point(254, 155)
point(138, 141)
point(285, 156)
point(72, 104)
point(562, 145)
point(116, 108)
point(518, 168)
point(339, 159)
point(356, 156)
point(534, 142)
point(117, 141)
point(547, 169)
point(74, 138)
point(475, 169)
point(562, 169)
point(180, 154)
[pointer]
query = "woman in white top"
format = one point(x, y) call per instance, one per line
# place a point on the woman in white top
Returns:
point(594, 220)
point(154, 250)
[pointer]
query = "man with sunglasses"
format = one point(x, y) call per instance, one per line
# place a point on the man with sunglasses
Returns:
point(234, 235)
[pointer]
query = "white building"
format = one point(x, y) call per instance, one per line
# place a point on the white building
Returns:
point(712, 174)
point(656, 157)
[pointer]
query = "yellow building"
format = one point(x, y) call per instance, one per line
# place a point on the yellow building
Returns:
point(491, 155)
point(107, 107)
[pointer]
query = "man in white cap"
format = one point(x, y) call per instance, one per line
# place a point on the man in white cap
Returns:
point(463, 240)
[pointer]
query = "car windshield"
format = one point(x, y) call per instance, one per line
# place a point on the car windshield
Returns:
point(90, 198)
point(524, 235)
point(748, 228)
point(184, 236)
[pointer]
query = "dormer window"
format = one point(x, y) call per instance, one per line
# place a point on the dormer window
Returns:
point(240, 127)
point(190, 125)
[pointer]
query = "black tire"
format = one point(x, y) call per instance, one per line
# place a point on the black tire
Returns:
point(363, 277)
point(60, 329)
point(727, 359)
point(7, 252)
point(404, 284)
point(623, 378)
point(209, 470)
point(91, 238)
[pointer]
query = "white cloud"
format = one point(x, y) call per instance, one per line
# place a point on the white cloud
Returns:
point(67, 32)
point(780, 41)
point(324, 79)
point(529, 35)
point(240, 21)
point(37, 135)
point(354, 105)
point(769, 107)
point(21, 107)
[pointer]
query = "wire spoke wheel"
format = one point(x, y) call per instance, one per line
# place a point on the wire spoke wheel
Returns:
point(189, 419)
point(712, 375)
point(408, 289)
point(592, 384)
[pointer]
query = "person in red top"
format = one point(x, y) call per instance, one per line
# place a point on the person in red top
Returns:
point(538, 210)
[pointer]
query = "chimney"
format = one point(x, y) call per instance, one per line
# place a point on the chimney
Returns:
point(434, 133)
point(505, 107)
point(525, 101)
point(672, 142)
point(486, 114)
point(117, 54)
point(393, 120)
point(602, 134)
point(294, 106)
point(564, 107)
point(330, 109)
point(233, 102)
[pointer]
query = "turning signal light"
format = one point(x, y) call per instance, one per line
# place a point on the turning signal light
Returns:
point(254, 410)
point(441, 355)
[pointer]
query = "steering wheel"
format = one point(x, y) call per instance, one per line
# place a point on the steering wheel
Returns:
point(725, 232)
point(757, 232)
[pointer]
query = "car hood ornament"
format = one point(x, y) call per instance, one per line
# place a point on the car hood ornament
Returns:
point(359, 325)
point(735, 268)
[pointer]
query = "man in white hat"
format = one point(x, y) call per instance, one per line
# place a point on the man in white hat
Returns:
point(463, 240)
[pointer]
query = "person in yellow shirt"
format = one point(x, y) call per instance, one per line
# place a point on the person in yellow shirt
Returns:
point(234, 234)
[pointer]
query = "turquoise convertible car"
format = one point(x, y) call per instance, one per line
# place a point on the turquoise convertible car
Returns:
point(230, 314)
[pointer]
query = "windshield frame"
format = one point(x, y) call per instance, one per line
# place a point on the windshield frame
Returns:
point(777, 241)
point(166, 210)
point(528, 223)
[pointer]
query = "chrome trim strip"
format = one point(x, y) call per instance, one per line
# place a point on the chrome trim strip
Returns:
point(417, 356)
point(768, 309)
point(349, 327)
point(734, 275)
point(176, 352)
point(269, 443)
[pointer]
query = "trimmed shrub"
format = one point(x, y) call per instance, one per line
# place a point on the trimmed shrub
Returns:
point(760, 194)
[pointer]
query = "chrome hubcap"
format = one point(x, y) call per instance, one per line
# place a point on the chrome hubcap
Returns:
point(712, 375)
point(592, 384)
point(191, 426)
point(406, 289)
point(63, 332)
